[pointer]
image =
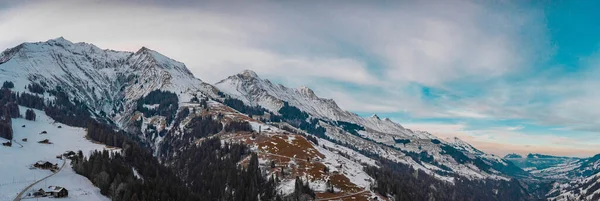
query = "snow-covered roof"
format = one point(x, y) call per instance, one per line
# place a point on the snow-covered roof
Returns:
point(54, 189)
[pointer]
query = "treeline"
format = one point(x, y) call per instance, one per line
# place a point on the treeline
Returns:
point(405, 183)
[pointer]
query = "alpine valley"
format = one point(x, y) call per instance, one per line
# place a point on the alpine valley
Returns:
point(141, 126)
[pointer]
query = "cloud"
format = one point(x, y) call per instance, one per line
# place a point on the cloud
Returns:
point(213, 43)
point(514, 128)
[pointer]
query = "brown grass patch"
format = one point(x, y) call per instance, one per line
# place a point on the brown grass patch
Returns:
point(298, 147)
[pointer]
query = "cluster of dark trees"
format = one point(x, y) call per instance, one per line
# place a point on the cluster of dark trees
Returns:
point(105, 134)
point(202, 126)
point(405, 183)
point(350, 127)
point(299, 119)
point(30, 115)
point(30, 101)
point(313, 139)
point(243, 108)
point(302, 191)
point(402, 141)
point(70, 112)
point(62, 109)
point(6, 131)
point(168, 103)
point(291, 113)
point(197, 127)
point(8, 109)
point(112, 173)
point(36, 88)
point(234, 126)
point(209, 171)
point(8, 85)
point(212, 170)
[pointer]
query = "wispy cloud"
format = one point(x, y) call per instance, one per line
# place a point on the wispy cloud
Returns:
point(504, 140)
point(462, 60)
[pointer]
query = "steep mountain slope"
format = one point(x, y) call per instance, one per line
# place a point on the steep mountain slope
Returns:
point(374, 135)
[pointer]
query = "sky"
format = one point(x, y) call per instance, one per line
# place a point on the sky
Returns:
point(505, 76)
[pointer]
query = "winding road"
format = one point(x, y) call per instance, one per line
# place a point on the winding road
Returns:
point(18, 198)
point(15, 142)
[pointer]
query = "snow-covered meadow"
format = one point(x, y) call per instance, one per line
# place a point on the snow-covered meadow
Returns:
point(16, 161)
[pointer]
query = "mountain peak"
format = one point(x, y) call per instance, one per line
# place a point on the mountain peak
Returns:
point(248, 74)
point(374, 116)
point(307, 91)
point(513, 155)
point(60, 40)
point(157, 57)
point(144, 49)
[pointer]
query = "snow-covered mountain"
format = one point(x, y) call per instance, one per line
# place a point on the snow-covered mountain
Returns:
point(157, 99)
point(379, 136)
point(250, 88)
point(108, 82)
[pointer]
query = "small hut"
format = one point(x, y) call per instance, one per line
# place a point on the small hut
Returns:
point(57, 191)
point(45, 165)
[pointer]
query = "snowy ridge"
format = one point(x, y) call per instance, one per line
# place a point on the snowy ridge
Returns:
point(379, 136)
point(253, 90)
